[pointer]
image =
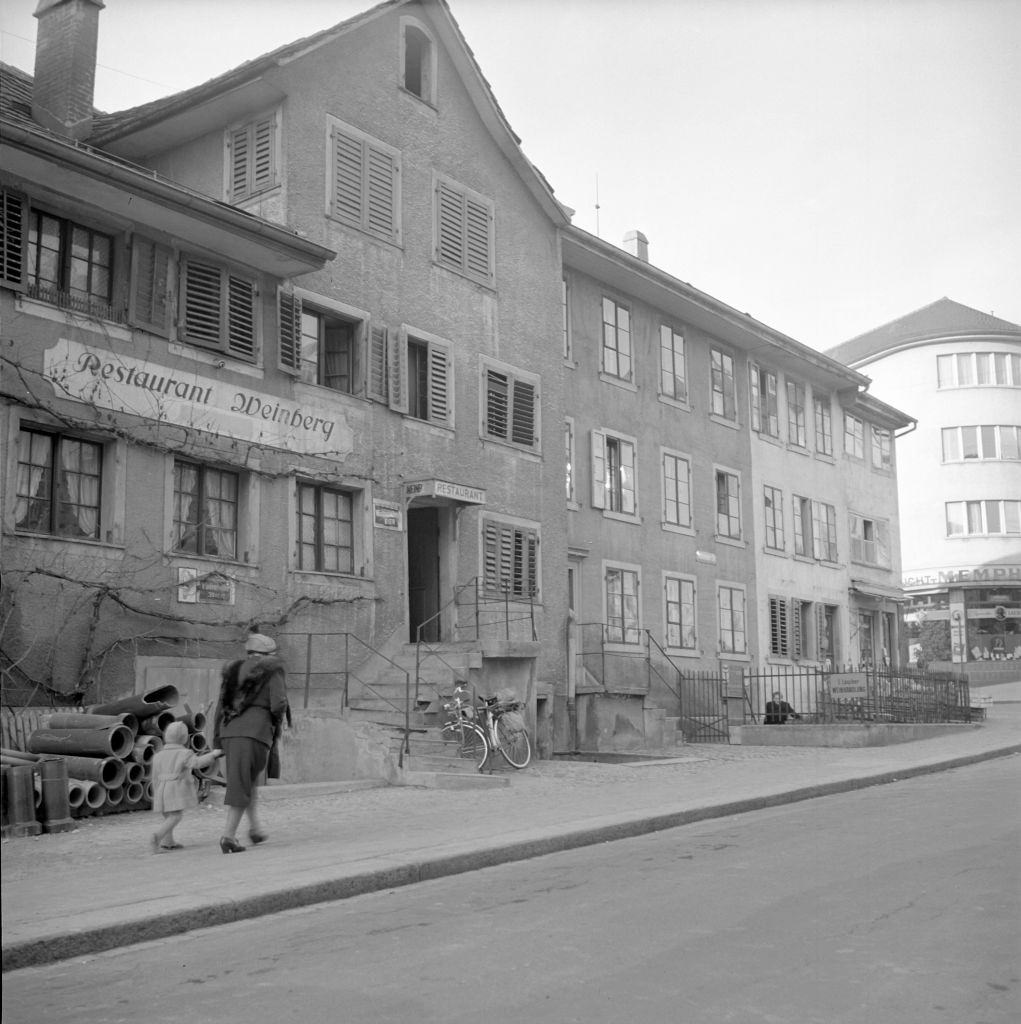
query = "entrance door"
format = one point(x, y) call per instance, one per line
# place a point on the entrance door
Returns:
point(424, 572)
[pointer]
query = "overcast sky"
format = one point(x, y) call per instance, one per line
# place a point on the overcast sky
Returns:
point(824, 165)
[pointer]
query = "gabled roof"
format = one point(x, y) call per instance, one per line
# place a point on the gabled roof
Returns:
point(116, 131)
point(941, 319)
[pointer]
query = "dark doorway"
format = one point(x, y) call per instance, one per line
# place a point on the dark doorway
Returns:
point(424, 573)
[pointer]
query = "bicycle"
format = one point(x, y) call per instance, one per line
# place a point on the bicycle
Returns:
point(463, 730)
point(506, 735)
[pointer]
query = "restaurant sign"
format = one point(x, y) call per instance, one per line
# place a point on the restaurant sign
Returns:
point(184, 398)
point(444, 489)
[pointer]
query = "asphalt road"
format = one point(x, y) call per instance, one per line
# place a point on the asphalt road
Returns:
point(900, 904)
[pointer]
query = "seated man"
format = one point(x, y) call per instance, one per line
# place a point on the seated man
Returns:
point(778, 710)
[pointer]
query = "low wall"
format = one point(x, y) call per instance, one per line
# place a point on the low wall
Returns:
point(324, 746)
point(851, 734)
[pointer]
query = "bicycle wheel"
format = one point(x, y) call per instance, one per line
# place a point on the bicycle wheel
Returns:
point(471, 743)
point(514, 744)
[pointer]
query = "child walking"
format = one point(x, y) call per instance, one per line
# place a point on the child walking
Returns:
point(174, 788)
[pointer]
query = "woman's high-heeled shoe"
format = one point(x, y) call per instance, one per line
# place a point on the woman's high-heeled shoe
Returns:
point(228, 845)
point(258, 837)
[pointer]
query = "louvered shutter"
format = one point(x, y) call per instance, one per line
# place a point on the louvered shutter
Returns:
point(240, 153)
point(497, 404)
point(598, 469)
point(381, 191)
point(796, 637)
point(439, 385)
point(397, 364)
point(149, 304)
point(263, 174)
point(13, 237)
point(478, 235)
point(376, 371)
point(498, 556)
point(449, 227)
point(203, 303)
point(241, 316)
point(347, 201)
point(523, 418)
point(290, 331)
point(778, 633)
point(525, 545)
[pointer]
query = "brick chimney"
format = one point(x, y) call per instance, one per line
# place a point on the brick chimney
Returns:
point(637, 244)
point(65, 65)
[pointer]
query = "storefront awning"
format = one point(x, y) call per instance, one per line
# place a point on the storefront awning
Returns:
point(876, 591)
point(443, 492)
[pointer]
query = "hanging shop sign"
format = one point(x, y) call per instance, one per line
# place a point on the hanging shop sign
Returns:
point(179, 396)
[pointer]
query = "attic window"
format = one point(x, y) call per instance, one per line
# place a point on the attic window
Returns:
point(418, 61)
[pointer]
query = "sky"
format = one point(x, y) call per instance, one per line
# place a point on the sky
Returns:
point(826, 166)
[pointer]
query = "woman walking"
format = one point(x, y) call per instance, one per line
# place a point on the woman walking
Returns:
point(252, 703)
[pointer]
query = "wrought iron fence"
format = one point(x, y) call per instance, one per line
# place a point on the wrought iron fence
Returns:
point(857, 693)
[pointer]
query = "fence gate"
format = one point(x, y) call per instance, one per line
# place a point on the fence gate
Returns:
point(704, 698)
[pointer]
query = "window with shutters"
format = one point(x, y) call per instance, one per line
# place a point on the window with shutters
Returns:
point(323, 342)
point(815, 529)
point(326, 529)
point(772, 500)
point(676, 489)
point(723, 395)
point(680, 617)
point(613, 474)
point(730, 608)
point(464, 231)
point(218, 308)
point(623, 604)
point(252, 158)
point(510, 410)
point(365, 179)
point(418, 60)
point(420, 377)
point(510, 559)
point(870, 541)
point(728, 504)
point(765, 410)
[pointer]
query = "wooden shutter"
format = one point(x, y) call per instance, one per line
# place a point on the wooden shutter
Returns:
point(149, 303)
point(203, 303)
point(365, 184)
point(598, 469)
point(478, 235)
point(376, 369)
point(439, 384)
point(497, 404)
point(523, 415)
point(347, 203)
point(397, 364)
point(263, 160)
point(449, 227)
point(381, 193)
point(796, 630)
point(290, 331)
point(240, 152)
point(241, 316)
point(13, 239)
point(498, 556)
point(778, 635)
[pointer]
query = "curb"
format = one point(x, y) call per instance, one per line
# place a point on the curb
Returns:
point(50, 949)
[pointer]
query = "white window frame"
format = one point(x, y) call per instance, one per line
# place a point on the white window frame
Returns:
point(605, 491)
point(975, 518)
point(854, 436)
point(772, 510)
point(439, 377)
point(797, 414)
point(733, 510)
point(870, 540)
point(630, 633)
point(565, 313)
point(739, 631)
point(998, 369)
point(765, 400)
point(815, 529)
point(671, 623)
point(881, 445)
point(1003, 444)
point(616, 359)
point(723, 398)
point(367, 196)
point(292, 359)
point(822, 407)
point(673, 368)
point(672, 482)
point(427, 94)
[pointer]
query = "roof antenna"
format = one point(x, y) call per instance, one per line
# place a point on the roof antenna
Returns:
point(597, 205)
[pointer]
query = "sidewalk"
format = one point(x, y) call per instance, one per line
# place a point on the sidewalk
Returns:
point(75, 893)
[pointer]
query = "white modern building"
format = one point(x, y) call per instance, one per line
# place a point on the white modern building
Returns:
point(959, 474)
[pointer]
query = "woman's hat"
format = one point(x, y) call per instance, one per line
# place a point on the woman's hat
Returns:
point(258, 643)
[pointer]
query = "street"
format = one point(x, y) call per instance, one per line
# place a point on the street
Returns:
point(895, 903)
